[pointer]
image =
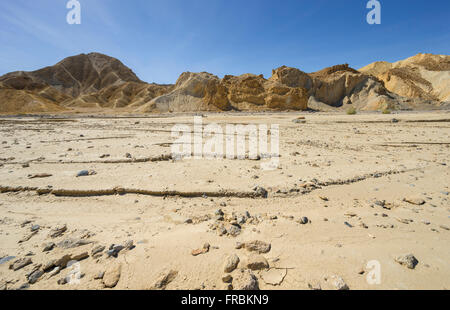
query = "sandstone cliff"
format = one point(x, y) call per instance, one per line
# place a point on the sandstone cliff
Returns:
point(424, 76)
point(340, 87)
point(206, 92)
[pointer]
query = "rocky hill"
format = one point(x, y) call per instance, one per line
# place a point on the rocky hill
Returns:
point(424, 76)
point(206, 92)
point(341, 87)
point(96, 82)
point(83, 81)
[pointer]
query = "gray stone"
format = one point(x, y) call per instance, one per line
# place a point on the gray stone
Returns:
point(57, 231)
point(97, 249)
point(20, 263)
point(407, 260)
point(73, 243)
point(234, 231)
point(34, 277)
point(304, 220)
point(260, 192)
point(231, 263)
point(48, 247)
point(6, 259)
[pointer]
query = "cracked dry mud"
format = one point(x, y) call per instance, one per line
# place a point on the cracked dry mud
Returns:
point(349, 190)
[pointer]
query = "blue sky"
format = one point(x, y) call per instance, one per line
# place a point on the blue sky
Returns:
point(160, 39)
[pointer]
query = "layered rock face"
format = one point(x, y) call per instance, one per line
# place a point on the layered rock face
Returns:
point(83, 81)
point(424, 76)
point(338, 86)
point(248, 92)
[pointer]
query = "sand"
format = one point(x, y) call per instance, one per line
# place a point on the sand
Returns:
point(334, 169)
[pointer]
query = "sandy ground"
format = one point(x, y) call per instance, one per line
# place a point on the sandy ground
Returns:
point(349, 175)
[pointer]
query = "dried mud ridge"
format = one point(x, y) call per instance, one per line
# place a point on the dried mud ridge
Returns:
point(124, 191)
point(163, 157)
point(309, 187)
point(256, 193)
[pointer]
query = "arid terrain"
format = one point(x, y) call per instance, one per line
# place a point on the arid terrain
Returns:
point(105, 191)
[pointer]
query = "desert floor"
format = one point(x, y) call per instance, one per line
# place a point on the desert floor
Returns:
point(350, 176)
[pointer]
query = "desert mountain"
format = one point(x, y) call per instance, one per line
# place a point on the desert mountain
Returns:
point(424, 76)
point(82, 81)
point(94, 82)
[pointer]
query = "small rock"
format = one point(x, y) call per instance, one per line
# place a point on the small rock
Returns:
point(114, 250)
point(304, 220)
point(219, 213)
point(129, 245)
point(97, 249)
point(407, 260)
point(62, 281)
point(203, 250)
point(260, 192)
point(259, 247)
point(28, 237)
point(24, 286)
point(314, 285)
point(256, 262)
point(245, 281)
point(48, 247)
point(348, 224)
point(339, 283)
point(231, 263)
point(6, 259)
point(54, 272)
point(227, 278)
point(34, 277)
point(85, 173)
point(20, 263)
point(165, 279)
point(234, 231)
point(99, 275)
point(112, 275)
point(57, 231)
point(73, 243)
point(415, 201)
point(35, 228)
point(239, 245)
